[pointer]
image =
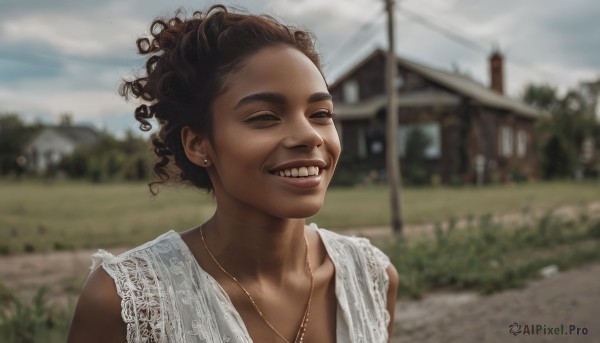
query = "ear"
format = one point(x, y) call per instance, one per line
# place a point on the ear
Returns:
point(196, 146)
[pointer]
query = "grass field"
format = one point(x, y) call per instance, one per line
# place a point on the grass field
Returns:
point(488, 257)
point(37, 216)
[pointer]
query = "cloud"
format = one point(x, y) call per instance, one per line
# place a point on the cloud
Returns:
point(69, 55)
point(333, 22)
point(41, 99)
point(543, 41)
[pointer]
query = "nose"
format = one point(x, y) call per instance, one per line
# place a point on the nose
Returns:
point(301, 134)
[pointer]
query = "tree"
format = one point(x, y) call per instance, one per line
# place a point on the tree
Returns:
point(415, 169)
point(556, 149)
point(14, 134)
point(572, 120)
point(542, 96)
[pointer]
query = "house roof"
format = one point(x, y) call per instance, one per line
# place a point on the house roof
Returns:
point(80, 135)
point(367, 108)
point(460, 84)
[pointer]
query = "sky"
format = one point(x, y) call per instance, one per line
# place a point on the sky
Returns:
point(69, 56)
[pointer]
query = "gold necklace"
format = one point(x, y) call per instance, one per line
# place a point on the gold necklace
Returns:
point(303, 324)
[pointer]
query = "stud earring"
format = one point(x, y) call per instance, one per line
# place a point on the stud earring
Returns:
point(205, 162)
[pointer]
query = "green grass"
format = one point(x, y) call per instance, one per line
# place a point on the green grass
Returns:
point(484, 257)
point(490, 258)
point(369, 206)
point(31, 322)
point(39, 216)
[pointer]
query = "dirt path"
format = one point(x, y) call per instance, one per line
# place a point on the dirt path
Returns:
point(508, 219)
point(63, 272)
point(569, 298)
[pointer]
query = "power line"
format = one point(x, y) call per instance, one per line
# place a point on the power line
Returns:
point(371, 27)
point(460, 39)
point(364, 32)
point(468, 42)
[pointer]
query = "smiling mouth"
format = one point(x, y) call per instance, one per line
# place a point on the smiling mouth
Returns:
point(302, 172)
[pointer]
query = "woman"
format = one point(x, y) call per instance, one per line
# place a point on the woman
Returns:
point(244, 112)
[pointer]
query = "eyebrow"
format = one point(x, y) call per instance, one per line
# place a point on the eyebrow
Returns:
point(278, 98)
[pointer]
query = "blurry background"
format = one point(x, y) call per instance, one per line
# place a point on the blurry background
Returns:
point(499, 138)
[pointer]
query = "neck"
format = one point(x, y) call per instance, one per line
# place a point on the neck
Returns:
point(257, 248)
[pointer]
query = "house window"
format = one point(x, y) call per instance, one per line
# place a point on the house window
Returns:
point(431, 130)
point(351, 91)
point(521, 143)
point(506, 141)
point(399, 81)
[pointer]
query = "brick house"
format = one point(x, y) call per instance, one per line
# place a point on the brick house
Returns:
point(476, 133)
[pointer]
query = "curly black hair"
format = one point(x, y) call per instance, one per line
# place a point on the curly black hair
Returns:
point(189, 59)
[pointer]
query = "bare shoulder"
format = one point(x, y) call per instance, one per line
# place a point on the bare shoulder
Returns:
point(394, 279)
point(97, 316)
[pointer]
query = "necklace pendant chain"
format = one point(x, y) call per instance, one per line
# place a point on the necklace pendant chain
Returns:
point(299, 338)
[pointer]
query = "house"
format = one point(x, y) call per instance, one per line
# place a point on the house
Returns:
point(53, 143)
point(476, 133)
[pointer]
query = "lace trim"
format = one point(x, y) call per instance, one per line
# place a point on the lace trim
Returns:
point(139, 289)
point(364, 285)
point(377, 263)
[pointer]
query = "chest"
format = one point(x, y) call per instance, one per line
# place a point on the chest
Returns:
point(191, 306)
point(269, 315)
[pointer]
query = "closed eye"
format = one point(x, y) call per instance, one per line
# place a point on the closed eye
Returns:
point(323, 115)
point(263, 117)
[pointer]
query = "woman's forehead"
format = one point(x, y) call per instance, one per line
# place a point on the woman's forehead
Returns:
point(279, 69)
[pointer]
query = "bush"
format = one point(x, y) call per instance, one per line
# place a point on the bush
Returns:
point(30, 322)
point(4, 249)
point(489, 258)
point(594, 229)
point(414, 168)
point(28, 247)
point(61, 246)
point(518, 176)
point(558, 159)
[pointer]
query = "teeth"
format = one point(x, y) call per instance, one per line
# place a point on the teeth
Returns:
point(299, 172)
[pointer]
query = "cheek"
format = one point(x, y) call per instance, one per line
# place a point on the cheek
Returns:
point(239, 150)
point(332, 141)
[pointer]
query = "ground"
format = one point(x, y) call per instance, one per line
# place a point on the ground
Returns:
point(570, 298)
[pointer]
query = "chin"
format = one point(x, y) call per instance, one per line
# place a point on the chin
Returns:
point(300, 210)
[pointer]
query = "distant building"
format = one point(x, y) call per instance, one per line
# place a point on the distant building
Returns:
point(477, 134)
point(53, 143)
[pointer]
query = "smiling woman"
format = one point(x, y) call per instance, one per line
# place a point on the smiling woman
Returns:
point(244, 112)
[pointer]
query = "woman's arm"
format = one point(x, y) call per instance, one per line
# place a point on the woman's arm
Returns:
point(391, 296)
point(97, 316)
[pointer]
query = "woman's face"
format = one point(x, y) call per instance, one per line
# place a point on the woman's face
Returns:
point(272, 122)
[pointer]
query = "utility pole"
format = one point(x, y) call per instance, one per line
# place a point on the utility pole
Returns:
point(392, 157)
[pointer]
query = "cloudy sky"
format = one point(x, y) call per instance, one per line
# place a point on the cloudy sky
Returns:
point(69, 55)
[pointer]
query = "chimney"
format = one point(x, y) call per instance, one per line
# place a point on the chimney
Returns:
point(497, 71)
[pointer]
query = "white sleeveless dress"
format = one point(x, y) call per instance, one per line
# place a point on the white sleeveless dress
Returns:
point(167, 297)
